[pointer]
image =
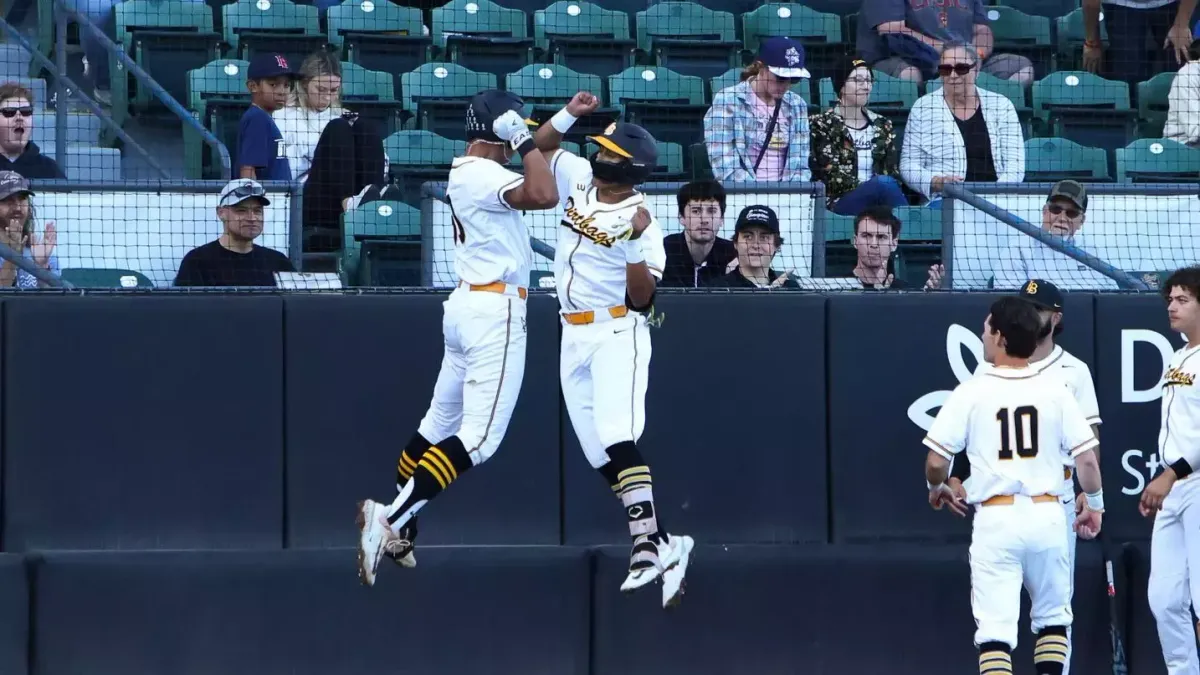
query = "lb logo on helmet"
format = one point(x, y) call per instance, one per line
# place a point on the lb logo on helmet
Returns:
point(612, 129)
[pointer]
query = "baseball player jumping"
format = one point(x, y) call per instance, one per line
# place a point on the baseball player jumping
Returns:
point(483, 326)
point(608, 258)
point(1017, 424)
point(1173, 498)
point(1078, 378)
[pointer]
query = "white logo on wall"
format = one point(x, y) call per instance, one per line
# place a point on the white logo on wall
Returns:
point(957, 338)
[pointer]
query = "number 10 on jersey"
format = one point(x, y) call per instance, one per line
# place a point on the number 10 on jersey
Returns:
point(1019, 427)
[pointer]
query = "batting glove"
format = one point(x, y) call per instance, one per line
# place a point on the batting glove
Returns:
point(511, 127)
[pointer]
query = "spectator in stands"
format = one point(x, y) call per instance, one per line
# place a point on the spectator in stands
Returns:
point(339, 157)
point(757, 239)
point(1183, 113)
point(876, 238)
point(697, 255)
point(853, 149)
point(233, 259)
point(961, 132)
point(19, 234)
point(1165, 23)
point(903, 39)
point(17, 152)
point(262, 154)
point(757, 129)
point(1063, 216)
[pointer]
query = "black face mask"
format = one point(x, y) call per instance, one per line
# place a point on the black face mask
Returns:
point(609, 173)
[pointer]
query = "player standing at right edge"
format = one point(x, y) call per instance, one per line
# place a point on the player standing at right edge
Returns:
point(1173, 498)
point(1017, 425)
point(608, 258)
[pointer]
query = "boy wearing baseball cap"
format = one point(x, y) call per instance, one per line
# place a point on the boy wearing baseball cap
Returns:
point(757, 239)
point(261, 151)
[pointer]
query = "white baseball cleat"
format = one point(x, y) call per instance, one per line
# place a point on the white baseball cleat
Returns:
point(640, 577)
point(401, 552)
point(675, 564)
point(373, 535)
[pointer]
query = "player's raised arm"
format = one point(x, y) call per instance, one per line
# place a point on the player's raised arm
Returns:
point(549, 136)
point(538, 191)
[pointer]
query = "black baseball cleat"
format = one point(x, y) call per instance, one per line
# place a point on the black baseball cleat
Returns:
point(401, 550)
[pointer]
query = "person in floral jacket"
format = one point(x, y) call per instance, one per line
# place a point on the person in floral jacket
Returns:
point(853, 150)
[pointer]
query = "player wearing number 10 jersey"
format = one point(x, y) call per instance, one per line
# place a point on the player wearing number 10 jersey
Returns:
point(1018, 424)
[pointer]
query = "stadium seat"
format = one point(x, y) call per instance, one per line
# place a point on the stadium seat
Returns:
point(820, 33)
point(88, 162)
point(371, 94)
point(483, 36)
point(1009, 89)
point(1054, 159)
point(1069, 37)
point(1153, 102)
point(669, 105)
point(437, 94)
point(584, 37)
point(701, 167)
point(733, 76)
point(217, 96)
point(167, 39)
point(1157, 160)
point(253, 26)
point(14, 60)
point(1084, 108)
point(689, 38)
point(1019, 33)
point(82, 128)
point(890, 96)
point(377, 236)
point(416, 156)
point(105, 278)
point(1050, 10)
point(548, 86)
point(670, 163)
point(380, 36)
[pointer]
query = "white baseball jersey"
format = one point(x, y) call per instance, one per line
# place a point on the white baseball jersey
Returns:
point(491, 242)
point(589, 262)
point(1179, 437)
point(1017, 425)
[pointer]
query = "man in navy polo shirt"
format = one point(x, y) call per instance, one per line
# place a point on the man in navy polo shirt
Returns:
point(261, 148)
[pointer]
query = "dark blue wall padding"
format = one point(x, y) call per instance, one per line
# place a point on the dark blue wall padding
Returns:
point(735, 425)
point(360, 375)
point(136, 422)
point(885, 355)
point(519, 611)
point(822, 609)
point(14, 615)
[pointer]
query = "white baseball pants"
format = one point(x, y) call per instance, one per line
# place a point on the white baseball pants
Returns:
point(1175, 575)
point(1072, 539)
point(604, 370)
point(1022, 543)
point(482, 368)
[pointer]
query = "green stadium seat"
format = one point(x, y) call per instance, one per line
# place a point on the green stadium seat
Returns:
point(670, 163)
point(1054, 159)
point(701, 168)
point(1157, 160)
point(549, 86)
point(890, 96)
point(1009, 89)
point(167, 38)
point(381, 245)
point(417, 156)
point(437, 95)
point(688, 38)
point(1084, 108)
point(483, 36)
point(217, 96)
point(379, 36)
point(733, 76)
point(371, 94)
point(253, 26)
point(820, 33)
point(1019, 33)
point(669, 105)
point(1051, 10)
point(584, 37)
point(82, 277)
point(1069, 37)
point(1153, 102)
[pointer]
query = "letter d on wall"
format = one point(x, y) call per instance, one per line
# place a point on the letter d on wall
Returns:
point(1129, 393)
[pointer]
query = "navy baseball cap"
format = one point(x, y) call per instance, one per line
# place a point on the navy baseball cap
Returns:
point(784, 57)
point(757, 216)
point(12, 183)
point(269, 65)
point(1043, 294)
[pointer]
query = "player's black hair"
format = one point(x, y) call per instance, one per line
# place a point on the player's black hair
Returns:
point(1045, 331)
point(1018, 322)
point(701, 191)
point(1187, 278)
point(882, 215)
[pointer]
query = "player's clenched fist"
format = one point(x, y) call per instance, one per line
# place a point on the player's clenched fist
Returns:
point(640, 221)
point(1087, 525)
point(510, 126)
point(582, 103)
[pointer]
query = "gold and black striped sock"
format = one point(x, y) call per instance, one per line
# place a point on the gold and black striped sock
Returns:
point(995, 659)
point(407, 464)
point(441, 465)
point(1050, 651)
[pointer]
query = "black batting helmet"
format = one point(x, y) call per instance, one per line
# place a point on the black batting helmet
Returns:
point(483, 110)
point(634, 145)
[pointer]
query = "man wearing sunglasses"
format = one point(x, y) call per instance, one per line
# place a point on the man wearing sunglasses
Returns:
point(1063, 216)
point(17, 152)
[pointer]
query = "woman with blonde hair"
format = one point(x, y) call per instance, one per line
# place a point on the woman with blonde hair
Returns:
point(338, 157)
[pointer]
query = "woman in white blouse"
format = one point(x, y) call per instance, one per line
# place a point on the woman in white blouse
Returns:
point(338, 157)
point(1183, 112)
point(961, 132)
